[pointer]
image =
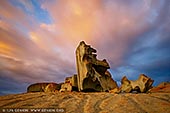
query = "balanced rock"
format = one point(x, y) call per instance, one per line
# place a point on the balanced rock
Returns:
point(143, 84)
point(92, 73)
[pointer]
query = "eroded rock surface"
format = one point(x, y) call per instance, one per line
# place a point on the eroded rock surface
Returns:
point(73, 81)
point(66, 87)
point(43, 87)
point(92, 73)
point(162, 87)
point(143, 84)
point(70, 84)
point(79, 102)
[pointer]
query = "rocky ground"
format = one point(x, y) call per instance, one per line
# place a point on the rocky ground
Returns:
point(78, 102)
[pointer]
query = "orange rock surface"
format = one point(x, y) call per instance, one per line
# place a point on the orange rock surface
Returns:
point(79, 102)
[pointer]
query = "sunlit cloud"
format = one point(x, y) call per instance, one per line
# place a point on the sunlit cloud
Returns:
point(38, 38)
point(5, 49)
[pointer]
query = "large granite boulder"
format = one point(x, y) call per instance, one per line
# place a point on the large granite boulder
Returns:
point(143, 84)
point(43, 87)
point(92, 73)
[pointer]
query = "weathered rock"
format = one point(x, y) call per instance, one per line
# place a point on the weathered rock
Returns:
point(143, 84)
point(92, 73)
point(70, 84)
point(73, 81)
point(115, 90)
point(51, 87)
point(66, 87)
point(126, 85)
point(37, 87)
point(163, 87)
point(79, 102)
point(43, 87)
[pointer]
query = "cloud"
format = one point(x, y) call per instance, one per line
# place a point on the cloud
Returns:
point(11, 86)
point(25, 61)
point(6, 10)
point(38, 41)
point(103, 22)
point(149, 51)
point(44, 68)
point(127, 34)
point(15, 16)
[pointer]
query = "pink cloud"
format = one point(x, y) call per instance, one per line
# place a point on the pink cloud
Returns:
point(33, 51)
point(26, 61)
point(6, 11)
point(110, 26)
point(105, 25)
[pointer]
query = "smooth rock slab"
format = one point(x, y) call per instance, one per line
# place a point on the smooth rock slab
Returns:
point(78, 102)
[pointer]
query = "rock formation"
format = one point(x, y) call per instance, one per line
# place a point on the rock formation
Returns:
point(70, 84)
point(163, 87)
point(143, 84)
point(43, 87)
point(92, 73)
point(77, 102)
point(73, 81)
point(66, 87)
point(51, 87)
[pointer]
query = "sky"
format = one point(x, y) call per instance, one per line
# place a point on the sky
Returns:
point(38, 39)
